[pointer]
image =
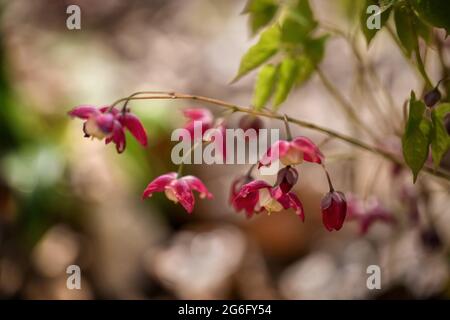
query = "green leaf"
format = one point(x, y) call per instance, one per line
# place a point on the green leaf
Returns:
point(287, 75)
point(368, 16)
point(299, 23)
point(306, 69)
point(259, 53)
point(416, 139)
point(440, 140)
point(435, 12)
point(264, 86)
point(416, 110)
point(261, 13)
point(405, 26)
point(315, 49)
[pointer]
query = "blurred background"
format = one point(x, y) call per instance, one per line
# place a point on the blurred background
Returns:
point(68, 200)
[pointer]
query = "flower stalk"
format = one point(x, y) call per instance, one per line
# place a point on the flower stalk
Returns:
point(160, 95)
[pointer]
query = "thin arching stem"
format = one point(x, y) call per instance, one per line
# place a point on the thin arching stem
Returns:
point(288, 129)
point(330, 184)
point(272, 115)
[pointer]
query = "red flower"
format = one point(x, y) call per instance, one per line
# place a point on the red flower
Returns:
point(367, 213)
point(198, 117)
point(248, 204)
point(334, 209)
point(269, 198)
point(109, 124)
point(292, 152)
point(178, 189)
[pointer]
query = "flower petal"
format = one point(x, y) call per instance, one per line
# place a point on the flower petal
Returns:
point(83, 111)
point(118, 137)
point(159, 184)
point(134, 125)
point(311, 152)
point(198, 118)
point(277, 150)
point(297, 205)
point(252, 187)
point(197, 185)
point(198, 114)
point(183, 193)
point(105, 109)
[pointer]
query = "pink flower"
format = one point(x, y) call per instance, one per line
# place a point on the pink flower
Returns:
point(198, 117)
point(248, 204)
point(366, 213)
point(268, 198)
point(292, 152)
point(334, 209)
point(109, 124)
point(178, 189)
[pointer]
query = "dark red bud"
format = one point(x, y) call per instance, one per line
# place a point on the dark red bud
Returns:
point(334, 210)
point(251, 122)
point(431, 239)
point(287, 178)
point(432, 97)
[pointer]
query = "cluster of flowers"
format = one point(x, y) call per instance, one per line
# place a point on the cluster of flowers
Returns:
point(247, 194)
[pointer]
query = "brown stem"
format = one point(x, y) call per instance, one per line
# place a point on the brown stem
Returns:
point(305, 124)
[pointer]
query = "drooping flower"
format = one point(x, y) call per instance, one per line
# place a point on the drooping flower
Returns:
point(109, 124)
point(334, 210)
point(178, 189)
point(292, 152)
point(269, 198)
point(248, 203)
point(200, 118)
point(287, 178)
point(366, 213)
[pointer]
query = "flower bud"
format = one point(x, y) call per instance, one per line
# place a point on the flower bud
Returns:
point(432, 97)
point(431, 239)
point(287, 178)
point(334, 209)
point(250, 122)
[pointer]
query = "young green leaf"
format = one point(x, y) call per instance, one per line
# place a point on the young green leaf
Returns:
point(259, 53)
point(416, 139)
point(287, 75)
point(405, 26)
point(299, 23)
point(261, 13)
point(368, 16)
point(264, 86)
point(440, 140)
